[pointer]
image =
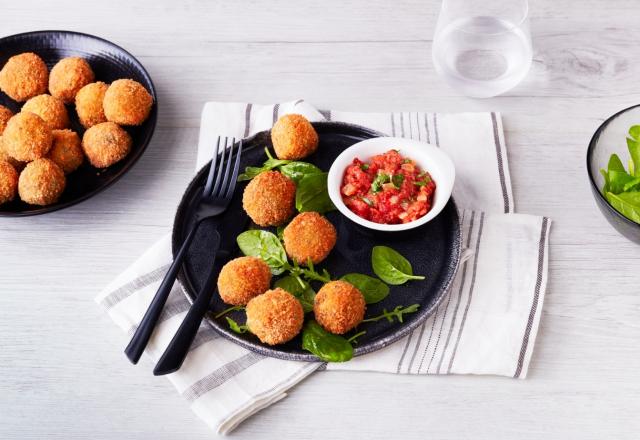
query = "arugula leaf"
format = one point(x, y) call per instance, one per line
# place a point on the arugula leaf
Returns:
point(297, 170)
point(230, 309)
point(397, 313)
point(312, 194)
point(266, 246)
point(391, 267)
point(327, 346)
point(371, 288)
point(627, 204)
point(304, 292)
point(236, 327)
point(354, 339)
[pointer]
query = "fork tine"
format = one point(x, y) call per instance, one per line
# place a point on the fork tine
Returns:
point(227, 170)
point(212, 168)
point(234, 177)
point(219, 174)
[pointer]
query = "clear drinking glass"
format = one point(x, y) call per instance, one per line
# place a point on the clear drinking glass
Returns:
point(482, 48)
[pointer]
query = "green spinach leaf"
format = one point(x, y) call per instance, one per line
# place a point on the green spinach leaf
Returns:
point(269, 164)
point(297, 170)
point(300, 289)
point(391, 267)
point(327, 346)
point(266, 246)
point(312, 194)
point(371, 288)
point(627, 204)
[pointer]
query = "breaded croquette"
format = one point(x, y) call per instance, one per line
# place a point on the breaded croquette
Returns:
point(66, 151)
point(339, 307)
point(68, 76)
point(8, 182)
point(275, 317)
point(5, 115)
point(27, 137)
point(293, 137)
point(89, 100)
point(105, 144)
point(127, 102)
point(24, 76)
point(309, 236)
point(41, 182)
point(50, 109)
point(269, 198)
point(242, 279)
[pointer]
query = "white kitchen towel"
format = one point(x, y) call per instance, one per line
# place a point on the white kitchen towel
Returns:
point(486, 325)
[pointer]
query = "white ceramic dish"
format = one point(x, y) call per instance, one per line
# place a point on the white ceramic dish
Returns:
point(429, 157)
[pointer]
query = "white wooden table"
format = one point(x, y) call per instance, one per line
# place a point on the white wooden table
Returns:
point(62, 371)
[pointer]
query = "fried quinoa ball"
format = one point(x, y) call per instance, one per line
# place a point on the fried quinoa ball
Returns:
point(8, 182)
point(242, 279)
point(339, 307)
point(293, 137)
point(89, 101)
point(269, 198)
point(66, 151)
point(27, 137)
point(309, 236)
point(275, 317)
point(41, 182)
point(68, 76)
point(24, 76)
point(50, 109)
point(5, 115)
point(105, 144)
point(127, 102)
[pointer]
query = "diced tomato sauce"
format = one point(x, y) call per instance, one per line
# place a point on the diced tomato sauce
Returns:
point(388, 189)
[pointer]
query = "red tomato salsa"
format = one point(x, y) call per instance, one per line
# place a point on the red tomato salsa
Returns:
point(388, 189)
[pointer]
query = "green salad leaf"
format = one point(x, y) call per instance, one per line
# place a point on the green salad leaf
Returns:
point(327, 346)
point(626, 203)
point(300, 289)
point(371, 288)
point(312, 194)
point(391, 267)
point(236, 327)
point(297, 170)
point(633, 143)
point(397, 313)
point(266, 246)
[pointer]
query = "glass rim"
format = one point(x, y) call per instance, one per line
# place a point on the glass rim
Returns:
point(516, 24)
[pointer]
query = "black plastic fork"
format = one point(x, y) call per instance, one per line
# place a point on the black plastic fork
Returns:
point(216, 196)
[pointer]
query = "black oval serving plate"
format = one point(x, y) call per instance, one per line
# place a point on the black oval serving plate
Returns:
point(433, 249)
point(109, 62)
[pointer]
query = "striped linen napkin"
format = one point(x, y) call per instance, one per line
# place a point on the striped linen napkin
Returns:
point(487, 324)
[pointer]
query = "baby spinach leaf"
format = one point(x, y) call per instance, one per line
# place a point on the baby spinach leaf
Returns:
point(627, 204)
point(300, 289)
point(312, 194)
point(297, 170)
point(269, 164)
point(371, 288)
point(391, 267)
point(327, 346)
point(266, 246)
point(236, 327)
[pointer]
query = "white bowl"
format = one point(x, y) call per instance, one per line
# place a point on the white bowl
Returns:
point(429, 157)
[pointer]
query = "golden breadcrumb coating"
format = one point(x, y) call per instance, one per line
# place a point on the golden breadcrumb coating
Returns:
point(27, 137)
point(127, 102)
point(5, 115)
point(309, 236)
point(293, 137)
point(275, 317)
point(68, 76)
point(8, 182)
point(243, 278)
point(269, 198)
point(41, 182)
point(50, 109)
point(5, 156)
point(339, 307)
point(66, 151)
point(24, 76)
point(105, 144)
point(89, 101)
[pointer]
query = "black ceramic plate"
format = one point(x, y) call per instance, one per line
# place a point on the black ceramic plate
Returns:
point(434, 250)
point(109, 62)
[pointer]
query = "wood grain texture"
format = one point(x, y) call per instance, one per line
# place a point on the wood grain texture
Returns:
point(62, 371)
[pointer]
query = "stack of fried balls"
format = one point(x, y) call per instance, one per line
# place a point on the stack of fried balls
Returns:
point(38, 148)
